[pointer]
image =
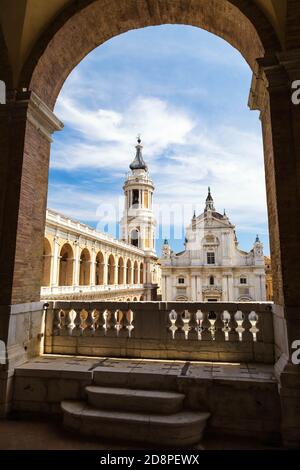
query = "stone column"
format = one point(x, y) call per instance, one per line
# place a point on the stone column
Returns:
point(272, 94)
point(124, 271)
point(76, 268)
point(93, 268)
point(116, 270)
point(199, 289)
point(193, 288)
point(26, 125)
point(55, 264)
point(105, 270)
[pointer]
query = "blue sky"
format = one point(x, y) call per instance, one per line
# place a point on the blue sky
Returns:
point(185, 91)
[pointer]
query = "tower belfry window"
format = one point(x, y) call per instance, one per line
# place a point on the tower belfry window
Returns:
point(135, 197)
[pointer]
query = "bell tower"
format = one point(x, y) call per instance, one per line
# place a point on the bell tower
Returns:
point(138, 222)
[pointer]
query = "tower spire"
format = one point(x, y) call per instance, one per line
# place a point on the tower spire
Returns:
point(138, 163)
point(209, 203)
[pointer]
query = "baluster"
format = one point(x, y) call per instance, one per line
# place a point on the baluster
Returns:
point(219, 325)
point(259, 326)
point(233, 334)
point(206, 332)
point(169, 325)
point(179, 323)
point(193, 327)
point(212, 320)
point(67, 323)
point(89, 329)
point(100, 321)
point(131, 320)
point(111, 324)
point(123, 329)
point(247, 334)
point(57, 322)
point(78, 329)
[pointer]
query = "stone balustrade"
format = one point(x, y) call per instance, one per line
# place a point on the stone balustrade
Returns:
point(227, 332)
point(57, 290)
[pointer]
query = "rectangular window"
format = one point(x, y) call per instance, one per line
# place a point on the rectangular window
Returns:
point(243, 280)
point(181, 280)
point(210, 258)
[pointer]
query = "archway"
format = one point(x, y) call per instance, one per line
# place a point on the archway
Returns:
point(99, 269)
point(243, 24)
point(47, 259)
point(120, 270)
point(111, 270)
point(142, 273)
point(85, 267)
point(135, 273)
point(66, 265)
point(128, 272)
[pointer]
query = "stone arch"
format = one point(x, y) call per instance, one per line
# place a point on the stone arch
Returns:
point(85, 268)
point(47, 261)
point(99, 269)
point(141, 273)
point(135, 273)
point(240, 23)
point(111, 270)
point(128, 272)
point(135, 237)
point(121, 270)
point(135, 299)
point(66, 262)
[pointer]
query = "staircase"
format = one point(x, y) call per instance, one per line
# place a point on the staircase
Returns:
point(134, 414)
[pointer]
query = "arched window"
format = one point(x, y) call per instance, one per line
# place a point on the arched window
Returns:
point(99, 274)
point(66, 265)
point(141, 273)
point(111, 270)
point(121, 271)
point(47, 256)
point(135, 272)
point(85, 264)
point(134, 238)
point(211, 280)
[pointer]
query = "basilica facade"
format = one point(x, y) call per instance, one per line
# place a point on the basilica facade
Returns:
point(212, 267)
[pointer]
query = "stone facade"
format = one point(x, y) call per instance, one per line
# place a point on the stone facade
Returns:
point(212, 267)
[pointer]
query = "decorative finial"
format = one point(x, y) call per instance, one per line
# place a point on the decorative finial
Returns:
point(224, 213)
point(138, 163)
point(209, 205)
point(194, 216)
point(166, 242)
point(257, 240)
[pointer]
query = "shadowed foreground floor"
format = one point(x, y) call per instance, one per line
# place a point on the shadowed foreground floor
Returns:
point(48, 435)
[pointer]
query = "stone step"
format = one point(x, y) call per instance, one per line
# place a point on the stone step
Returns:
point(151, 379)
point(152, 401)
point(177, 430)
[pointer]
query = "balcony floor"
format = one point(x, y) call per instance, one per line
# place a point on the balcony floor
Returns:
point(238, 390)
point(191, 369)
